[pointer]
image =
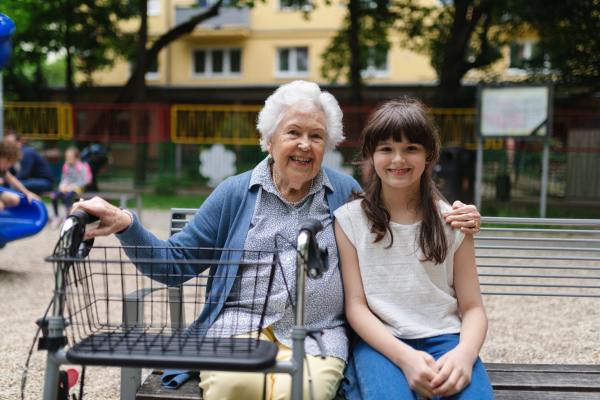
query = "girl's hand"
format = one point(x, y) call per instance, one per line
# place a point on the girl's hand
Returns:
point(112, 219)
point(420, 369)
point(455, 369)
point(465, 217)
point(30, 196)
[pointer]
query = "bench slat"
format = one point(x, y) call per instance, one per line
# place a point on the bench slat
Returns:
point(546, 395)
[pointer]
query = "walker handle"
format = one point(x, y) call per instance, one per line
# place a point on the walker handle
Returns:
point(318, 258)
point(84, 217)
point(72, 231)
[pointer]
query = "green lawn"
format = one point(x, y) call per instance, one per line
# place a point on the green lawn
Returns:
point(166, 202)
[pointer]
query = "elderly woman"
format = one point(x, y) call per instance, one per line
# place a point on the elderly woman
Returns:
point(298, 124)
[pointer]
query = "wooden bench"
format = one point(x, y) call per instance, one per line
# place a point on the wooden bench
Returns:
point(517, 258)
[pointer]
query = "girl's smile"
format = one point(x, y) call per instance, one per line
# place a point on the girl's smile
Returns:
point(399, 165)
point(399, 172)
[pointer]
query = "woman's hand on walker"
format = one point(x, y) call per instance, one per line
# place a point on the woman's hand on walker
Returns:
point(112, 219)
point(420, 369)
point(464, 216)
point(455, 369)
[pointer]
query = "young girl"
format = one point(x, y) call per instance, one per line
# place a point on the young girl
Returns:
point(10, 153)
point(72, 182)
point(411, 286)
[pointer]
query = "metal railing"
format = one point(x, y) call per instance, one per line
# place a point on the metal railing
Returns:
point(539, 256)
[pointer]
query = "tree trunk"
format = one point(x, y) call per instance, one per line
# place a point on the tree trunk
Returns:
point(355, 62)
point(139, 116)
point(129, 91)
point(448, 91)
point(69, 57)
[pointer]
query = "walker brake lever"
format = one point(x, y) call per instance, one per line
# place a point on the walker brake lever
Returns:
point(317, 334)
point(318, 258)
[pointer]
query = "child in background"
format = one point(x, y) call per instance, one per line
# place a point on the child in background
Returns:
point(410, 281)
point(72, 183)
point(10, 153)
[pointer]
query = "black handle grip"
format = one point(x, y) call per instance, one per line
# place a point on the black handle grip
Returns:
point(312, 225)
point(317, 257)
point(84, 217)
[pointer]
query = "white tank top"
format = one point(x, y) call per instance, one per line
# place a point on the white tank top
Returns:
point(414, 299)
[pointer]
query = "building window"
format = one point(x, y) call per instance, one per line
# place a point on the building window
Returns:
point(295, 5)
point(375, 62)
point(153, 8)
point(210, 3)
point(152, 74)
point(217, 62)
point(521, 53)
point(292, 62)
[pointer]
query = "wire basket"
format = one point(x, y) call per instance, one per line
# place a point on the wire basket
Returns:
point(125, 306)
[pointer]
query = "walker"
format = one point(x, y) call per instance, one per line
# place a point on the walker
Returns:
point(106, 312)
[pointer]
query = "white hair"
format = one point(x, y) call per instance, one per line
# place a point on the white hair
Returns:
point(300, 92)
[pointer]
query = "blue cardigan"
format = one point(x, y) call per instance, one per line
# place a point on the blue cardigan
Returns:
point(223, 221)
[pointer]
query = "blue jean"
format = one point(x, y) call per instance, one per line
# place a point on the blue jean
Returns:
point(370, 375)
point(67, 199)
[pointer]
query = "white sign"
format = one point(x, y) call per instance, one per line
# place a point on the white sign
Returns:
point(513, 111)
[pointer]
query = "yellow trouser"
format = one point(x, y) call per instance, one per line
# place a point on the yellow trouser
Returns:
point(326, 376)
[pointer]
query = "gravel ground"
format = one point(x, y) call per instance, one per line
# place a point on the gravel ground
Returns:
point(528, 330)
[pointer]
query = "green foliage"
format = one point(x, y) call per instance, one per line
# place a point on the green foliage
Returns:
point(166, 202)
point(89, 29)
point(374, 19)
point(461, 35)
point(55, 71)
point(568, 49)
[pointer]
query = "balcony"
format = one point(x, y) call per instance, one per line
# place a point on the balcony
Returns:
point(231, 21)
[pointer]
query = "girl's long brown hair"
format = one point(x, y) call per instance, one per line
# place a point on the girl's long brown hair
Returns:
point(393, 119)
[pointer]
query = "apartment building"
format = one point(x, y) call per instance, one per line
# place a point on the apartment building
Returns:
point(245, 50)
point(242, 54)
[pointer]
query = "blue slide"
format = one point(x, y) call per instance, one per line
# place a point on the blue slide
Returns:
point(23, 220)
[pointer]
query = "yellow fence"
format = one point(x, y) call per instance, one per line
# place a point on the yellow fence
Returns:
point(47, 121)
point(195, 124)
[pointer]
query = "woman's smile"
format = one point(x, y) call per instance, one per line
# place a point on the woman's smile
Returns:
point(301, 160)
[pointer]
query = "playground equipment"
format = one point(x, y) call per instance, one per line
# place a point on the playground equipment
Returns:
point(7, 29)
point(23, 220)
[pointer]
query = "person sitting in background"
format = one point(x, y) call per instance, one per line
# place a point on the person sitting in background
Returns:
point(72, 182)
point(10, 153)
point(33, 171)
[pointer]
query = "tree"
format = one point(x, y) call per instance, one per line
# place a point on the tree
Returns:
point(150, 56)
point(462, 35)
point(455, 34)
point(365, 27)
point(568, 50)
point(458, 35)
point(86, 31)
